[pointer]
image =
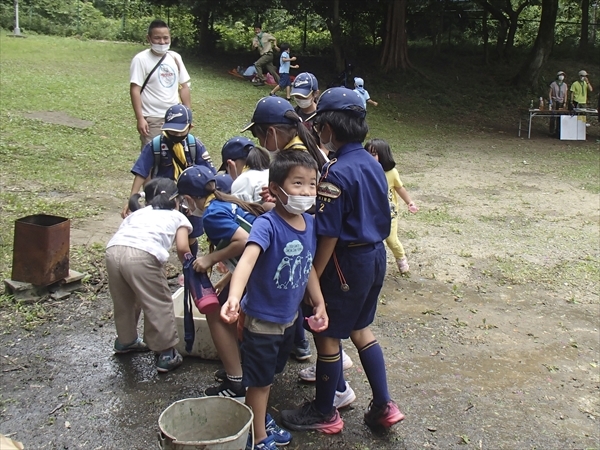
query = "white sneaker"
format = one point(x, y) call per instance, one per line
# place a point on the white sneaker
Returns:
point(310, 373)
point(346, 361)
point(343, 399)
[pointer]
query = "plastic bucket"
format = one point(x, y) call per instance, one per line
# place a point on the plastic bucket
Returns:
point(207, 423)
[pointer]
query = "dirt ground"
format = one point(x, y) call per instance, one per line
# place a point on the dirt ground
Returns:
point(491, 343)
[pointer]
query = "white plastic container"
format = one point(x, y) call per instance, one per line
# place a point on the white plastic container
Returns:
point(206, 423)
point(203, 345)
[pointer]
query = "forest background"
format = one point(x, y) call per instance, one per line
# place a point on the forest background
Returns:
point(384, 35)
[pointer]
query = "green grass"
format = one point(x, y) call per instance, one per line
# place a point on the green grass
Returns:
point(78, 173)
point(438, 217)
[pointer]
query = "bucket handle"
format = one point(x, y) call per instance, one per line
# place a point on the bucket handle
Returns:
point(163, 444)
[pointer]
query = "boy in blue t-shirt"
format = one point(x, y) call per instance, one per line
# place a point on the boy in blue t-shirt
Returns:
point(284, 71)
point(276, 270)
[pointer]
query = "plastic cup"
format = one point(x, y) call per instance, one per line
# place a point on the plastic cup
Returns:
point(315, 324)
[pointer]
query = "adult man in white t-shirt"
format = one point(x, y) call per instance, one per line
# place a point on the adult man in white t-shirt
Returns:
point(158, 80)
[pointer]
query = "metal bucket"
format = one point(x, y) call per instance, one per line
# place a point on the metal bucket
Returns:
point(41, 249)
point(206, 423)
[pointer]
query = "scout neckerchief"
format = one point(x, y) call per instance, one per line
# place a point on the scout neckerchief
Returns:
point(296, 144)
point(179, 159)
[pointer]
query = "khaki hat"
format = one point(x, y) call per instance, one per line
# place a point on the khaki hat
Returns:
point(582, 73)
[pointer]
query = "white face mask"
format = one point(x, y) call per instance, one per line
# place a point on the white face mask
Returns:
point(561, 77)
point(329, 146)
point(160, 49)
point(298, 204)
point(304, 102)
point(275, 139)
point(197, 212)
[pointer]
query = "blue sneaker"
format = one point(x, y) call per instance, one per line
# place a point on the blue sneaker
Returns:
point(280, 436)
point(265, 444)
point(136, 346)
point(301, 351)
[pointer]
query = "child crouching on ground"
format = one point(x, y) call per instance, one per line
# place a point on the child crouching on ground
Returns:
point(135, 258)
point(276, 269)
point(382, 152)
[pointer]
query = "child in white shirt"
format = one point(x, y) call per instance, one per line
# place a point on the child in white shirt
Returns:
point(135, 258)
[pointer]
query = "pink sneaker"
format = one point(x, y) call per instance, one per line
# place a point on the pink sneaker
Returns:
point(383, 416)
point(403, 265)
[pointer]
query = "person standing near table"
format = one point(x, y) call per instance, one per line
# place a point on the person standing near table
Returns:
point(558, 96)
point(579, 90)
point(265, 43)
point(158, 80)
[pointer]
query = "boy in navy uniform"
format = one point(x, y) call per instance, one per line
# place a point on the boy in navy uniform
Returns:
point(175, 156)
point(352, 220)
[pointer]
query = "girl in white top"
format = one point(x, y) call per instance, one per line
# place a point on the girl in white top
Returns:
point(135, 258)
point(248, 166)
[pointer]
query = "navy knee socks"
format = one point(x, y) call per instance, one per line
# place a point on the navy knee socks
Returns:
point(371, 358)
point(341, 384)
point(328, 372)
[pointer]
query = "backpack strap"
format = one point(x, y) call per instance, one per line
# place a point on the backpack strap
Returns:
point(156, 153)
point(191, 141)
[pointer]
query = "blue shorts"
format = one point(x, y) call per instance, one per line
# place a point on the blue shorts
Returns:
point(364, 270)
point(198, 228)
point(284, 80)
point(264, 355)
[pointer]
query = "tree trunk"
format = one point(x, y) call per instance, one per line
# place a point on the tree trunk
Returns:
point(395, 50)
point(510, 40)
point(530, 71)
point(585, 24)
point(502, 24)
point(333, 25)
point(502, 32)
point(202, 18)
point(486, 38)
point(513, 17)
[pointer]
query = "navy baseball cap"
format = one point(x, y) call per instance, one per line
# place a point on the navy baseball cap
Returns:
point(177, 118)
point(304, 85)
point(271, 110)
point(223, 182)
point(235, 148)
point(340, 99)
point(193, 181)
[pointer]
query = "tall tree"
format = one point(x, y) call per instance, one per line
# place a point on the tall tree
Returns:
point(585, 23)
point(508, 21)
point(395, 48)
point(530, 71)
point(513, 17)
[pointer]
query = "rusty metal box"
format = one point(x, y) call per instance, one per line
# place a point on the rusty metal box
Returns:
point(41, 249)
